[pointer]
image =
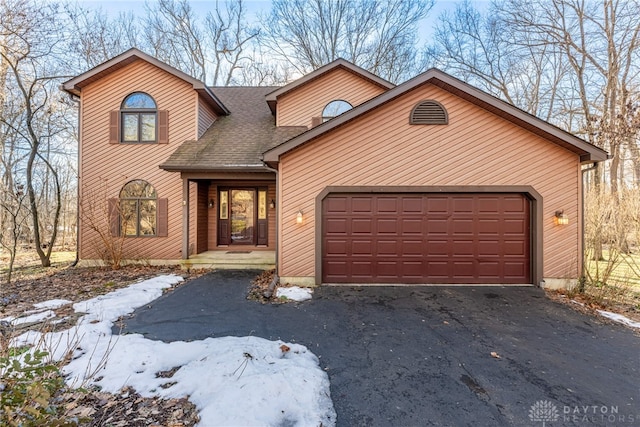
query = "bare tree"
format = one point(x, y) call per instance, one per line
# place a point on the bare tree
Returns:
point(96, 37)
point(378, 35)
point(30, 33)
point(212, 49)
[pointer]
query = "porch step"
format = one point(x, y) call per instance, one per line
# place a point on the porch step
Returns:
point(237, 260)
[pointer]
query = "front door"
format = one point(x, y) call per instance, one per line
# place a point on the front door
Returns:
point(242, 216)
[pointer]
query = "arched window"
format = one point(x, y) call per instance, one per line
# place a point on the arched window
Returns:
point(335, 108)
point(139, 118)
point(138, 209)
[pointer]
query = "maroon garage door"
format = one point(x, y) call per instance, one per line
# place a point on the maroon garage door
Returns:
point(426, 238)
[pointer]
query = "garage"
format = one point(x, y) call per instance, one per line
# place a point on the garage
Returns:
point(455, 238)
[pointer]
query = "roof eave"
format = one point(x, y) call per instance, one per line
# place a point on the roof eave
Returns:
point(272, 97)
point(465, 91)
point(75, 85)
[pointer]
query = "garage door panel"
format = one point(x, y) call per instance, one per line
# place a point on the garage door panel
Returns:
point(336, 226)
point(361, 204)
point(515, 226)
point(426, 238)
point(411, 226)
point(488, 227)
point(335, 247)
point(361, 226)
point(387, 226)
point(515, 204)
point(362, 247)
point(437, 248)
point(437, 205)
point(462, 204)
point(412, 248)
point(412, 205)
point(462, 226)
point(336, 205)
point(388, 247)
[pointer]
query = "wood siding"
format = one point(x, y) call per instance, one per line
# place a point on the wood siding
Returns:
point(202, 243)
point(105, 168)
point(298, 107)
point(206, 117)
point(477, 148)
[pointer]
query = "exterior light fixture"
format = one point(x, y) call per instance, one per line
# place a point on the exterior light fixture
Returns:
point(212, 203)
point(272, 204)
point(299, 217)
point(561, 218)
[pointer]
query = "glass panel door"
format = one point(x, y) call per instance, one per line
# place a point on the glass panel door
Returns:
point(242, 216)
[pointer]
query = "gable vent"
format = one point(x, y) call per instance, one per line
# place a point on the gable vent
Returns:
point(429, 113)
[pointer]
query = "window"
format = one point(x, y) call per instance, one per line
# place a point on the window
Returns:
point(429, 113)
point(335, 108)
point(138, 209)
point(139, 118)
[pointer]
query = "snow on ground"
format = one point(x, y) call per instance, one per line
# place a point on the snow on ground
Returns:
point(52, 303)
point(295, 293)
point(232, 380)
point(32, 318)
point(619, 318)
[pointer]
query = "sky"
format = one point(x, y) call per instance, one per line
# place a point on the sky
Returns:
point(257, 7)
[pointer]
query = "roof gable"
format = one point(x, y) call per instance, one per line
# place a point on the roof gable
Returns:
point(314, 75)
point(75, 85)
point(586, 151)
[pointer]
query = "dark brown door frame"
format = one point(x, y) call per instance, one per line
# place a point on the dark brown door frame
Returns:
point(536, 214)
point(256, 221)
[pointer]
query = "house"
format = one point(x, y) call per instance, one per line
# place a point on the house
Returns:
point(345, 176)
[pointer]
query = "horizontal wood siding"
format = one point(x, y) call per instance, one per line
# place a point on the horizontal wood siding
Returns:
point(298, 107)
point(476, 148)
point(105, 168)
point(202, 214)
point(206, 117)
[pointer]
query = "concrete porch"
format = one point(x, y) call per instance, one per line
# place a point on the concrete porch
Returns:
point(232, 259)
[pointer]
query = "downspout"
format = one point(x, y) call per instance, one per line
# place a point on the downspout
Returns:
point(274, 282)
point(77, 101)
point(589, 169)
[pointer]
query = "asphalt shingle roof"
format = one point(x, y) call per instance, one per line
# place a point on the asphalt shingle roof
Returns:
point(234, 142)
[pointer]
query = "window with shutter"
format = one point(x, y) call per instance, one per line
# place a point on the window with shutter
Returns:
point(429, 112)
point(139, 121)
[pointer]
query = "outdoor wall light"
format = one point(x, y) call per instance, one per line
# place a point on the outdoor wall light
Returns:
point(561, 218)
point(272, 204)
point(212, 203)
point(299, 217)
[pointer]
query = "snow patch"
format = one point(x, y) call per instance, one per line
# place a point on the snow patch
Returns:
point(52, 303)
point(295, 293)
point(231, 380)
point(33, 318)
point(619, 318)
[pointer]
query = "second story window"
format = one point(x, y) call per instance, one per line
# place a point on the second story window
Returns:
point(335, 108)
point(139, 118)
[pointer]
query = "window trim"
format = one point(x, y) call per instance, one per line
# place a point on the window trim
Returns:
point(327, 118)
point(137, 201)
point(138, 113)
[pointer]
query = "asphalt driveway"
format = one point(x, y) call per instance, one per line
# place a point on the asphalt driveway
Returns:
point(419, 356)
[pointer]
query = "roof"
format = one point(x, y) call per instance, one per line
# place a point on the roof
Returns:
point(234, 142)
point(338, 63)
point(75, 85)
point(588, 152)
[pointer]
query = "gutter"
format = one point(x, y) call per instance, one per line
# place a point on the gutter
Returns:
point(274, 282)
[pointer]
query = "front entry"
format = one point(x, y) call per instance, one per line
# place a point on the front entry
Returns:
point(242, 216)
